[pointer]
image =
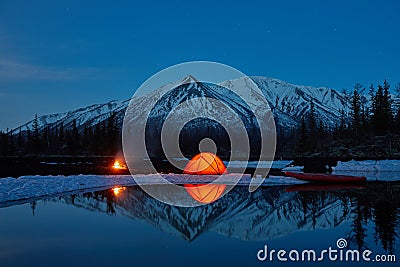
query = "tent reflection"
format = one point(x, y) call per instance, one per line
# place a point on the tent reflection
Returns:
point(205, 193)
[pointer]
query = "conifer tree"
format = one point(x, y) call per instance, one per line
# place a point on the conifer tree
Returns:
point(312, 126)
point(355, 112)
point(3, 143)
point(387, 104)
point(61, 138)
point(321, 136)
point(112, 134)
point(20, 140)
point(377, 115)
point(86, 139)
point(97, 139)
point(75, 139)
point(45, 144)
point(36, 136)
point(11, 146)
point(302, 144)
point(382, 113)
point(28, 141)
point(343, 121)
point(397, 108)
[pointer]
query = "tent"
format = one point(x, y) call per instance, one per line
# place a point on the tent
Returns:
point(205, 163)
point(205, 193)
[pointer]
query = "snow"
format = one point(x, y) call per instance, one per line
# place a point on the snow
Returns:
point(27, 187)
point(293, 169)
point(382, 170)
point(90, 115)
point(369, 165)
point(294, 100)
point(282, 180)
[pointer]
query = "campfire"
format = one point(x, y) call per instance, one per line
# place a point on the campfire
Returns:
point(118, 166)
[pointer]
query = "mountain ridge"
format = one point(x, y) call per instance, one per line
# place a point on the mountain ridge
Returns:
point(288, 102)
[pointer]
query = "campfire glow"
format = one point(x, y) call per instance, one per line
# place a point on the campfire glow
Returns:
point(118, 190)
point(118, 166)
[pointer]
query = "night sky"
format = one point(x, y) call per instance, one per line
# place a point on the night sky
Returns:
point(59, 55)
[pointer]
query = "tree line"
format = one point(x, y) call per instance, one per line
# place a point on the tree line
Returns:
point(102, 139)
point(368, 120)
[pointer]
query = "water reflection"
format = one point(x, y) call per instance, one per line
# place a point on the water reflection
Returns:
point(118, 190)
point(205, 193)
point(268, 213)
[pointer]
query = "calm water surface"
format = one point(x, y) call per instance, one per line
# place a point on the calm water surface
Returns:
point(108, 228)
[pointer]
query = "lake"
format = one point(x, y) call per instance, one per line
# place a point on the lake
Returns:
point(128, 227)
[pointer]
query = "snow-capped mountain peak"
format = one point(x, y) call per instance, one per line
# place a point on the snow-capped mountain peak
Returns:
point(288, 102)
point(189, 79)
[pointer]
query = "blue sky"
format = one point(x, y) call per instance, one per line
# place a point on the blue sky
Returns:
point(59, 55)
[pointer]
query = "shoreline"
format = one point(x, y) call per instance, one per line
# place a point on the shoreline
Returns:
point(102, 165)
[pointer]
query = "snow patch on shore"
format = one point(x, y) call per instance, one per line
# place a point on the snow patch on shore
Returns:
point(30, 187)
point(379, 170)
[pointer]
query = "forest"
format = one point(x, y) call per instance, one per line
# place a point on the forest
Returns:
point(370, 128)
point(103, 139)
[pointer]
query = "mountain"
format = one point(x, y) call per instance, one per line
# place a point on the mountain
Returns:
point(266, 214)
point(288, 102)
point(291, 102)
point(200, 109)
point(89, 116)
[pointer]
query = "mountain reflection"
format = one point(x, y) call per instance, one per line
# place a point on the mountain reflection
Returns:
point(268, 213)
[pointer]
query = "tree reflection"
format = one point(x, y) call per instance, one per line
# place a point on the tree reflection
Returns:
point(105, 196)
point(386, 219)
point(377, 204)
point(33, 207)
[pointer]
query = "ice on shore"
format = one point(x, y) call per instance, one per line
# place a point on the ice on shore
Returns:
point(380, 170)
point(27, 187)
point(369, 166)
point(30, 187)
point(293, 169)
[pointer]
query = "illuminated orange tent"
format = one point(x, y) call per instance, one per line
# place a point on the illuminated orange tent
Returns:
point(205, 193)
point(205, 163)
